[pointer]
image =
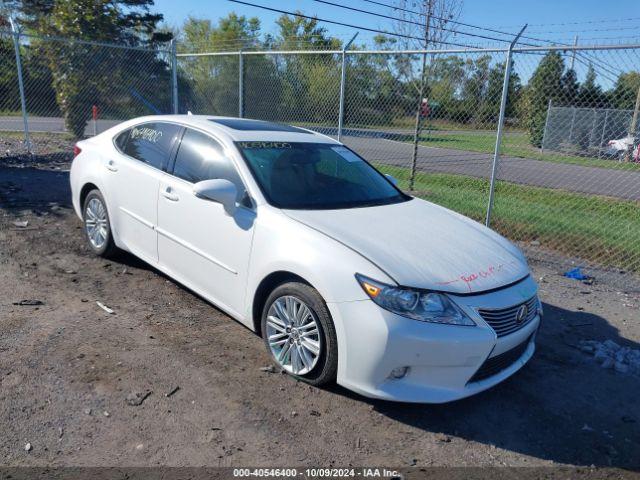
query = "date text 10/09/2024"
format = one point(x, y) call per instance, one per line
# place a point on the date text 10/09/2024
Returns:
point(317, 472)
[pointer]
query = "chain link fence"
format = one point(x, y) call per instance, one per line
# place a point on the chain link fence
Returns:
point(78, 87)
point(538, 142)
point(590, 131)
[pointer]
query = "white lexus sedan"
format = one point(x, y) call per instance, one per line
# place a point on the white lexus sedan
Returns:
point(297, 237)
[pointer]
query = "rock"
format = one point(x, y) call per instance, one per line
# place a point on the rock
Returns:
point(28, 447)
point(268, 369)
point(315, 413)
point(587, 348)
point(611, 345)
point(21, 223)
point(140, 446)
point(444, 438)
point(87, 411)
point(621, 367)
point(608, 363)
point(587, 428)
point(600, 356)
point(294, 414)
point(106, 414)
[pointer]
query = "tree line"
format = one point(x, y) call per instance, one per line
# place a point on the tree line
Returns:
point(63, 78)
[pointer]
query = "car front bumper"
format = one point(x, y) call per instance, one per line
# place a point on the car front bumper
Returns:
point(441, 359)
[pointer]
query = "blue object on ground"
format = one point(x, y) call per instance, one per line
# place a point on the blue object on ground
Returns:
point(576, 273)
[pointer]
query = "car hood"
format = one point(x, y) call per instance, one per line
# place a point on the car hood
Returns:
point(422, 245)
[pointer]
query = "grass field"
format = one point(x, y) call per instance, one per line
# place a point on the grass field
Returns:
point(600, 229)
point(514, 144)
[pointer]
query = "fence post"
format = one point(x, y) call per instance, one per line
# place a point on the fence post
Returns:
point(240, 84)
point(503, 106)
point(174, 75)
point(343, 79)
point(23, 100)
point(604, 128)
point(593, 128)
point(546, 124)
point(573, 122)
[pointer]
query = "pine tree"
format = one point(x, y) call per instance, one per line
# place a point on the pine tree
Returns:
point(570, 88)
point(545, 85)
point(590, 94)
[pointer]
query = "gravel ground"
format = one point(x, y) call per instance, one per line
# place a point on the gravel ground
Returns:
point(71, 374)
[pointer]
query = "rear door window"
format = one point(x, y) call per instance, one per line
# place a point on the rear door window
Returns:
point(151, 143)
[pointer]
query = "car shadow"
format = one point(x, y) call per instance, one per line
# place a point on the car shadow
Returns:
point(562, 406)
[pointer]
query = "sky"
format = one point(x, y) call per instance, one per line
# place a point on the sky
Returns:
point(543, 16)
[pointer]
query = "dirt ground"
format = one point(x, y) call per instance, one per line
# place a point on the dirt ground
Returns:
point(68, 371)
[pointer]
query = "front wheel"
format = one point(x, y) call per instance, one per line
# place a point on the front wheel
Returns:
point(299, 333)
point(97, 227)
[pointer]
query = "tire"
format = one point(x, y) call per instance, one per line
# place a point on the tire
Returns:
point(94, 212)
point(299, 337)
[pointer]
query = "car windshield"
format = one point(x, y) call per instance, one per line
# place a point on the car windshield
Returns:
point(300, 175)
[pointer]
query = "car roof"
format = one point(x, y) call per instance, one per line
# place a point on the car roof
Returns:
point(242, 129)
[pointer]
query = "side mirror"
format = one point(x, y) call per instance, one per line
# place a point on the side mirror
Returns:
point(219, 191)
point(392, 179)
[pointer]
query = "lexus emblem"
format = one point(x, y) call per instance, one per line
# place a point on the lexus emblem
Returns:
point(521, 314)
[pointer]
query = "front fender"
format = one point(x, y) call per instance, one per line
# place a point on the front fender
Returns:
point(283, 244)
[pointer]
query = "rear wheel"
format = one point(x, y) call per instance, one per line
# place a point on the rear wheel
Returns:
point(97, 227)
point(299, 333)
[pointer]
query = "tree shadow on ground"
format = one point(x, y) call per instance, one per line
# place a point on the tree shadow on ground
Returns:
point(562, 406)
point(23, 186)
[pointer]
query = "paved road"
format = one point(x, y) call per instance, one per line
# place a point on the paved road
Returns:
point(376, 146)
point(575, 178)
point(49, 125)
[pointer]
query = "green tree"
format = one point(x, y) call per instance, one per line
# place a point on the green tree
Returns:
point(625, 92)
point(545, 85)
point(310, 83)
point(570, 87)
point(590, 94)
point(215, 80)
point(84, 74)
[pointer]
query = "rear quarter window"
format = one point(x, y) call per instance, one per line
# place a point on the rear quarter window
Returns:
point(121, 140)
point(150, 143)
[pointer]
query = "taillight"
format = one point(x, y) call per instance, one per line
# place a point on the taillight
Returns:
point(76, 150)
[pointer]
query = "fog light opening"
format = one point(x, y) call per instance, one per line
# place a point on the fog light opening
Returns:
point(399, 372)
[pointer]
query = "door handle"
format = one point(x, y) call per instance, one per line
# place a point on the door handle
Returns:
point(169, 195)
point(111, 165)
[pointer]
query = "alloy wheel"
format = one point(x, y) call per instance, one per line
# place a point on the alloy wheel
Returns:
point(293, 335)
point(96, 223)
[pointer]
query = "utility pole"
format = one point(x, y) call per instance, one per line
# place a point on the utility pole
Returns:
point(573, 54)
point(418, 126)
point(632, 127)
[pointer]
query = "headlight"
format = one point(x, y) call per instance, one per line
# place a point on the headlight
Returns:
point(424, 306)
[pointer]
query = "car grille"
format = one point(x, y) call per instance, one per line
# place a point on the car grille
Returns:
point(495, 365)
point(505, 320)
